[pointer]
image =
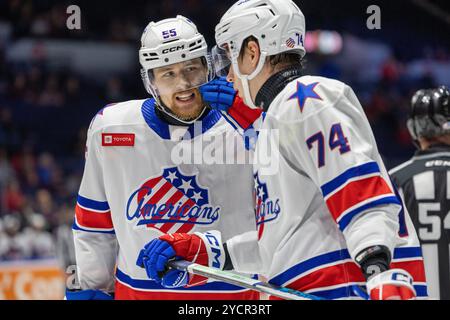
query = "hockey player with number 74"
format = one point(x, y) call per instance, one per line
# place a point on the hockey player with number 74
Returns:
point(330, 222)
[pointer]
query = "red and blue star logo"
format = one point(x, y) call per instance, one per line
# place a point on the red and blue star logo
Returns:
point(305, 92)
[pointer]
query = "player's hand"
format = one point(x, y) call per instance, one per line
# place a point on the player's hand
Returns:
point(218, 93)
point(394, 284)
point(87, 295)
point(202, 248)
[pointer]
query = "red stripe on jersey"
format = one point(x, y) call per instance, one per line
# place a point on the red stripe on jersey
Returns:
point(261, 225)
point(414, 267)
point(149, 184)
point(242, 114)
point(158, 195)
point(172, 201)
point(92, 219)
point(329, 276)
point(356, 192)
point(123, 292)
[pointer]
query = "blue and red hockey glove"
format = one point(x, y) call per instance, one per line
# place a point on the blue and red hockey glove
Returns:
point(394, 284)
point(202, 248)
point(218, 93)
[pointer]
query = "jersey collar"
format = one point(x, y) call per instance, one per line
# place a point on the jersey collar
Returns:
point(275, 84)
point(161, 128)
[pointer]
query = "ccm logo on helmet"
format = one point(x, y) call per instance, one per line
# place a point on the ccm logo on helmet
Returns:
point(173, 49)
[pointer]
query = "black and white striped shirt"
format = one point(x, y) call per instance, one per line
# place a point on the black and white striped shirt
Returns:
point(424, 182)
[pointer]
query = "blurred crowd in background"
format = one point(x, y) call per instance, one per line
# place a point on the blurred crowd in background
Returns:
point(46, 107)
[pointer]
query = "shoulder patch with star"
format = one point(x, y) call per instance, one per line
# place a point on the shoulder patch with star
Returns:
point(305, 92)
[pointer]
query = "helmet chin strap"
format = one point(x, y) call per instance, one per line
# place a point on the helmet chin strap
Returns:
point(246, 78)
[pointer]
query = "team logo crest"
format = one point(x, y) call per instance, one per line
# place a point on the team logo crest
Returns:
point(266, 209)
point(171, 203)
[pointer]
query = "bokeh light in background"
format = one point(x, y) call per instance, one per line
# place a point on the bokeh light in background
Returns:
point(53, 81)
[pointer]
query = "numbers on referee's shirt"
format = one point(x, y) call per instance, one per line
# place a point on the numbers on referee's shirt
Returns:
point(433, 222)
point(433, 227)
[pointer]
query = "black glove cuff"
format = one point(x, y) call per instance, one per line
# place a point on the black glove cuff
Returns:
point(374, 260)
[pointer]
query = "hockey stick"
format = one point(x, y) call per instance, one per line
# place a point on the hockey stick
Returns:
point(241, 281)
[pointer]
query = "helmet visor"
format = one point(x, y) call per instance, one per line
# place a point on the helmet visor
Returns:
point(221, 61)
point(179, 77)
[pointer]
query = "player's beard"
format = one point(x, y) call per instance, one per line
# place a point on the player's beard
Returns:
point(185, 110)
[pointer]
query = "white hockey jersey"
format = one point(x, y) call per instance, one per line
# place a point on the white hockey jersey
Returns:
point(144, 178)
point(330, 196)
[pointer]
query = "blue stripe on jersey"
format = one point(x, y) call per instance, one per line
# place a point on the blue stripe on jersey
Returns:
point(92, 204)
point(346, 219)
point(347, 291)
point(338, 293)
point(411, 252)
point(227, 117)
point(159, 127)
point(77, 227)
point(152, 285)
point(367, 168)
point(309, 264)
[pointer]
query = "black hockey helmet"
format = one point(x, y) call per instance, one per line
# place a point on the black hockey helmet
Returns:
point(430, 113)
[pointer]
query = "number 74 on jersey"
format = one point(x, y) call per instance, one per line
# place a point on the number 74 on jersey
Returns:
point(336, 140)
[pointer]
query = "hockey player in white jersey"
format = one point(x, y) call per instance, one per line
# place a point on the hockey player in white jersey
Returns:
point(134, 189)
point(329, 220)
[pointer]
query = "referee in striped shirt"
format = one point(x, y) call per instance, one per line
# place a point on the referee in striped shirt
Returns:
point(424, 182)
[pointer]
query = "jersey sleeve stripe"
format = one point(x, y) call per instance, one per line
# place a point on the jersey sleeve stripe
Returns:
point(345, 219)
point(78, 228)
point(91, 219)
point(330, 269)
point(358, 171)
point(339, 274)
point(92, 204)
point(329, 258)
point(356, 192)
point(358, 196)
point(407, 252)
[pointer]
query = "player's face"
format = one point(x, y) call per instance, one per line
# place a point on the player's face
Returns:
point(178, 84)
point(247, 63)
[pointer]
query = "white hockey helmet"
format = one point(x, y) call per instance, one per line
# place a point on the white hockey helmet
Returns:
point(278, 25)
point(168, 42)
